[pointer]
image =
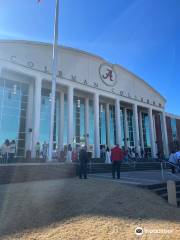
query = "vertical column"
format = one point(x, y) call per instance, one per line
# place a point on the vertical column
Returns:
point(37, 113)
point(29, 118)
point(61, 126)
point(70, 116)
point(155, 137)
point(96, 126)
point(164, 134)
point(136, 125)
point(141, 130)
point(87, 121)
point(126, 131)
point(107, 125)
point(118, 122)
point(153, 147)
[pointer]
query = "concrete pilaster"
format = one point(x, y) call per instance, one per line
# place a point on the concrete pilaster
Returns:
point(96, 126)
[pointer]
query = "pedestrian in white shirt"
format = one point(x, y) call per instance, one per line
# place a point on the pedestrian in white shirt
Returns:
point(108, 156)
point(69, 154)
point(5, 151)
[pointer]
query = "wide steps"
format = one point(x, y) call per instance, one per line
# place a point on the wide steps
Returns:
point(161, 190)
point(106, 168)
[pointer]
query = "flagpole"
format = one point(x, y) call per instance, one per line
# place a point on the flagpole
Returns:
point(54, 72)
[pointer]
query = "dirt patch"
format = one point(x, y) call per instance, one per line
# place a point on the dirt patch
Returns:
point(87, 209)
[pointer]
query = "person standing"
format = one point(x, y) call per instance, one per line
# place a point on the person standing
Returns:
point(103, 153)
point(12, 150)
point(108, 155)
point(69, 153)
point(44, 150)
point(5, 151)
point(83, 160)
point(38, 149)
point(177, 157)
point(116, 158)
point(142, 153)
point(126, 153)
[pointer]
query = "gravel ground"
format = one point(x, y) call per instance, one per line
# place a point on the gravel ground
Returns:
point(84, 209)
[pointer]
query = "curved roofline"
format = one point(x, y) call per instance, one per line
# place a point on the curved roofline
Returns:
point(50, 44)
point(83, 52)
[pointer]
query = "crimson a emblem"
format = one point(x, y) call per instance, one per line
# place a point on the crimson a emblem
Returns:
point(107, 74)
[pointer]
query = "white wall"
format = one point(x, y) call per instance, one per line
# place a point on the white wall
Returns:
point(80, 64)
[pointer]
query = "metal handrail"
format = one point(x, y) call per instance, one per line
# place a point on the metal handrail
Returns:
point(172, 164)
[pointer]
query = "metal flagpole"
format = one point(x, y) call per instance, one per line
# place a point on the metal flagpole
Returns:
point(54, 72)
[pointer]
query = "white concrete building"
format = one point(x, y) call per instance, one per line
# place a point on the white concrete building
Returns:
point(97, 102)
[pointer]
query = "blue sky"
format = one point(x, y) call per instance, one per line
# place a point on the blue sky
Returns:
point(141, 35)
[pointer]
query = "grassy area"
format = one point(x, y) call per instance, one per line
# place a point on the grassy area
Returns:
point(86, 209)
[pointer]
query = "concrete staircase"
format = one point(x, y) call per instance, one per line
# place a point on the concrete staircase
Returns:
point(138, 166)
point(161, 190)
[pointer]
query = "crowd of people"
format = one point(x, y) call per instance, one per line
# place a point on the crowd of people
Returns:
point(41, 151)
point(8, 151)
point(129, 154)
point(112, 156)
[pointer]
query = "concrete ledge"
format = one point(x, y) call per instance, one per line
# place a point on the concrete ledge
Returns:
point(13, 173)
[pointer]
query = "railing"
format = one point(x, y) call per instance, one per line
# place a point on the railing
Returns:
point(164, 166)
point(173, 165)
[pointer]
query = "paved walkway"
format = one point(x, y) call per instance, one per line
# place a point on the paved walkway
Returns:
point(140, 177)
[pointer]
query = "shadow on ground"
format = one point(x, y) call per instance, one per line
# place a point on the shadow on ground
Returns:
point(24, 206)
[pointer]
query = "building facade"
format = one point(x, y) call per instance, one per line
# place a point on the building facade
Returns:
point(97, 103)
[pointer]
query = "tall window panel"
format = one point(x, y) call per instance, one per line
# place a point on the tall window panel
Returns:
point(112, 125)
point(91, 122)
point(122, 127)
point(130, 127)
point(174, 129)
point(102, 123)
point(146, 130)
point(65, 119)
point(13, 109)
point(45, 117)
point(79, 120)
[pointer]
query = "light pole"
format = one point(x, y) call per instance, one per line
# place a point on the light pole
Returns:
point(54, 71)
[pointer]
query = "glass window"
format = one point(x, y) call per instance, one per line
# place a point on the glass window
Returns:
point(65, 119)
point(122, 127)
point(13, 107)
point(91, 122)
point(79, 120)
point(45, 117)
point(146, 130)
point(112, 125)
point(130, 127)
point(174, 129)
point(102, 123)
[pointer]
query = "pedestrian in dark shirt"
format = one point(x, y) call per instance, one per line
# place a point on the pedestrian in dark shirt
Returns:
point(83, 160)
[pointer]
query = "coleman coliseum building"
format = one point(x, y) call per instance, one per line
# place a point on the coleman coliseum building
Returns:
point(97, 102)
